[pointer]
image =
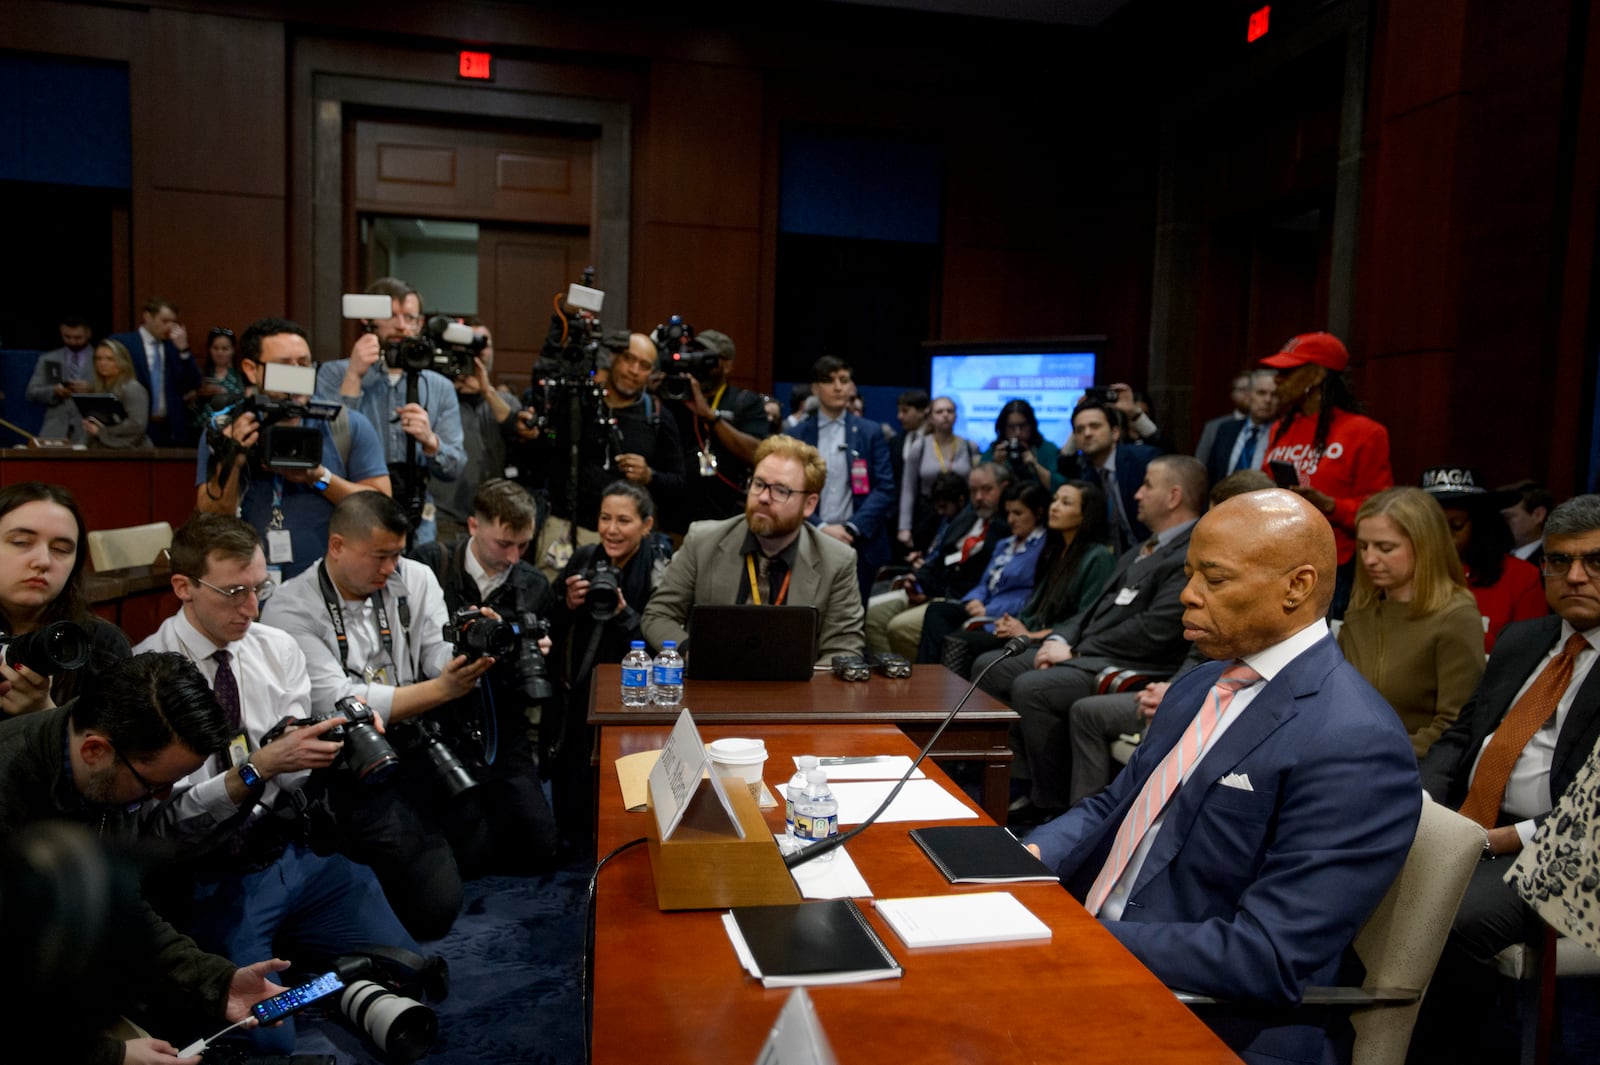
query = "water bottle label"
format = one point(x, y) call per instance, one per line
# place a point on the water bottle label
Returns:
point(669, 676)
point(636, 677)
point(815, 827)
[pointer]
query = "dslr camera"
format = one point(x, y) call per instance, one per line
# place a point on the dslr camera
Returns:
point(516, 641)
point(604, 580)
point(445, 346)
point(366, 753)
point(681, 357)
point(1013, 449)
point(59, 646)
point(278, 444)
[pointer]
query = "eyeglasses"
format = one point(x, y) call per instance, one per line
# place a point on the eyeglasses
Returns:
point(220, 331)
point(1561, 565)
point(262, 591)
point(781, 493)
point(151, 791)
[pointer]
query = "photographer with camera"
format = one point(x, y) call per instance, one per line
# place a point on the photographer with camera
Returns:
point(385, 366)
point(505, 826)
point(138, 728)
point(241, 815)
point(1019, 444)
point(372, 625)
point(50, 641)
point(719, 424)
point(487, 427)
point(601, 593)
point(288, 505)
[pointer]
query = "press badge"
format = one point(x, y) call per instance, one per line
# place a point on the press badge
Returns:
point(1126, 596)
point(858, 477)
point(238, 750)
point(708, 463)
point(280, 549)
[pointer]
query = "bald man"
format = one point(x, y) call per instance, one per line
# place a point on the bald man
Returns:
point(1249, 879)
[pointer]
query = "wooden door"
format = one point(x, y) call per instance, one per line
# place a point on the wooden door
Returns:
point(520, 271)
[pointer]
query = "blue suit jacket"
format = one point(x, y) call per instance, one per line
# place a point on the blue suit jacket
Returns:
point(182, 375)
point(1227, 435)
point(876, 510)
point(1252, 896)
point(1132, 460)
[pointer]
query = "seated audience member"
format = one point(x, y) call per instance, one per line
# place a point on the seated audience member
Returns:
point(946, 499)
point(1006, 582)
point(1239, 399)
point(1240, 443)
point(1525, 517)
point(1507, 588)
point(1514, 749)
point(1340, 455)
point(1271, 777)
point(43, 546)
point(856, 502)
point(771, 554)
point(159, 349)
point(254, 880)
point(114, 376)
point(220, 374)
point(1021, 447)
point(140, 726)
point(1095, 722)
point(1133, 624)
point(503, 825)
point(934, 450)
point(590, 633)
point(954, 561)
point(1073, 570)
point(59, 375)
point(1099, 454)
point(1412, 628)
point(288, 508)
point(371, 625)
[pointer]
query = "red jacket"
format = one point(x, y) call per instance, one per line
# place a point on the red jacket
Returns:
point(1353, 465)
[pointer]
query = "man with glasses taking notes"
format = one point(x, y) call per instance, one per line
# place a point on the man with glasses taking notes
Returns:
point(769, 554)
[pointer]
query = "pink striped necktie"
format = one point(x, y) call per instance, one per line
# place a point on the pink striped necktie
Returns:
point(1164, 781)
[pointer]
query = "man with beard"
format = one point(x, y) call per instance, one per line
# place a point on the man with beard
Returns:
point(770, 554)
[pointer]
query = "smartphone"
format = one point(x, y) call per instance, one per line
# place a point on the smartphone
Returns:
point(296, 998)
point(1284, 474)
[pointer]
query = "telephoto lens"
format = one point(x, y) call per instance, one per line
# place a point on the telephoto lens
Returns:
point(402, 1028)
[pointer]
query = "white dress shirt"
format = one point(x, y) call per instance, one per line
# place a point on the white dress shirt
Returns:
point(1269, 663)
point(271, 672)
point(487, 582)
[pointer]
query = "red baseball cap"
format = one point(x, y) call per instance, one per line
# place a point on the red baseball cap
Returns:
point(1324, 349)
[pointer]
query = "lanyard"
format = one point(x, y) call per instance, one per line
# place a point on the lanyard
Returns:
point(718, 397)
point(755, 587)
point(330, 599)
point(944, 467)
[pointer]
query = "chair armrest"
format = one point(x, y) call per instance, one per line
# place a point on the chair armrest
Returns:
point(1351, 997)
point(1115, 679)
point(977, 623)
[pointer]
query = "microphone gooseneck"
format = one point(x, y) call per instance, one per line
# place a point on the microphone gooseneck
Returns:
point(1014, 646)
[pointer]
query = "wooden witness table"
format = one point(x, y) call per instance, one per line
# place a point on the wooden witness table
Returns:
point(916, 704)
point(668, 988)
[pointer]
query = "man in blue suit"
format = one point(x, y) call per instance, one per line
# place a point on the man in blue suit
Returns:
point(859, 497)
point(1269, 807)
point(1096, 453)
point(160, 351)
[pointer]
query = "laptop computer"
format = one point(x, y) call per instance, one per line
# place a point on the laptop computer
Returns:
point(751, 642)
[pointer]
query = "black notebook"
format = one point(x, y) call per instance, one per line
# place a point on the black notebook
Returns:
point(828, 942)
point(980, 854)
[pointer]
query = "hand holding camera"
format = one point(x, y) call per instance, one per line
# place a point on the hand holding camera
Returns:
point(300, 746)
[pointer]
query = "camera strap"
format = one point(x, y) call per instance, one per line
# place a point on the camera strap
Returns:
point(330, 599)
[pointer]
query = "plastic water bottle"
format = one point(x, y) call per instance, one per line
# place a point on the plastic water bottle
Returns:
point(667, 686)
point(816, 815)
point(636, 676)
point(795, 789)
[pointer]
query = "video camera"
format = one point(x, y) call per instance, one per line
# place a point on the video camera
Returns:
point(278, 444)
point(681, 357)
point(445, 346)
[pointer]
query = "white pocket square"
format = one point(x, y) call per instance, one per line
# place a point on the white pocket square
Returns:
point(1237, 780)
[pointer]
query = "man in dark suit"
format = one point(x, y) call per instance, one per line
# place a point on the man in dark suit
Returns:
point(160, 350)
point(1269, 807)
point(858, 500)
point(1240, 444)
point(1096, 453)
point(1513, 750)
point(1133, 624)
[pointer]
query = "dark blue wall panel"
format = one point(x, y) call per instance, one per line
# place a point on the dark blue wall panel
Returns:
point(64, 122)
point(877, 188)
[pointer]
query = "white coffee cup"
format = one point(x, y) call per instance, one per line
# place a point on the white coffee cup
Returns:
point(739, 758)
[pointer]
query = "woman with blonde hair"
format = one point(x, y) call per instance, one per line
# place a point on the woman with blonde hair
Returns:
point(1413, 629)
point(114, 374)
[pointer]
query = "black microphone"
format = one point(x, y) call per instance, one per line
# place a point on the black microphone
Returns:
point(1014, 646)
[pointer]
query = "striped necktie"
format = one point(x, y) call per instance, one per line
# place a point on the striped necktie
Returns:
point(1161, 784)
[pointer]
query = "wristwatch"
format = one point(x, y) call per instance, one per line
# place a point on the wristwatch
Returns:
point(249, 775)
point(321, 483)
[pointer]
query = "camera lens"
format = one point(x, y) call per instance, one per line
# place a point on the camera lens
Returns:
point(403, 1028)
point(58, 646)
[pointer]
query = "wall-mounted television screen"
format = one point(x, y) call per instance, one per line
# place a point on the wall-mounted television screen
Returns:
point(1050, 374)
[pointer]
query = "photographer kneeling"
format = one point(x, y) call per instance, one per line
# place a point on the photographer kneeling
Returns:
point(603, 590)
point(503, 826)
point(372, 625)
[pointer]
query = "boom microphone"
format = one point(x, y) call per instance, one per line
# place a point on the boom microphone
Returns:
point(1014, 646)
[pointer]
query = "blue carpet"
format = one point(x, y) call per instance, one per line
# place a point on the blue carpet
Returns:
point(516, 960)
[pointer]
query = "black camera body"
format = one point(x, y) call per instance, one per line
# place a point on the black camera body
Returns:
point(514, 642)
point(445, 346)
point(1013, 449)
point(604, 581)
point(366, 753)
point(278, 444)
point(680, 357)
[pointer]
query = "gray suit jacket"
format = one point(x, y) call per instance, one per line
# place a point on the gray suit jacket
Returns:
point(61, 418)
point(1145, 632)
point(709, 566)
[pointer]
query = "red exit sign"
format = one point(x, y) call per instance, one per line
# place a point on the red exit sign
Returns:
point(1254, 30)
point(475, 65)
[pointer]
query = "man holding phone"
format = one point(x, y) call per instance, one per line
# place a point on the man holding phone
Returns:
point(288, 509)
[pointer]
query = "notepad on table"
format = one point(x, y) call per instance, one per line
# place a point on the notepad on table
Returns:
point(979, 854)
point(952, 920)
point(804, 943)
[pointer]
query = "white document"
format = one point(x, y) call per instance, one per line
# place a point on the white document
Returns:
point(951, 920)
point(919, 800)
point(822, 879)
point(881, 767)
